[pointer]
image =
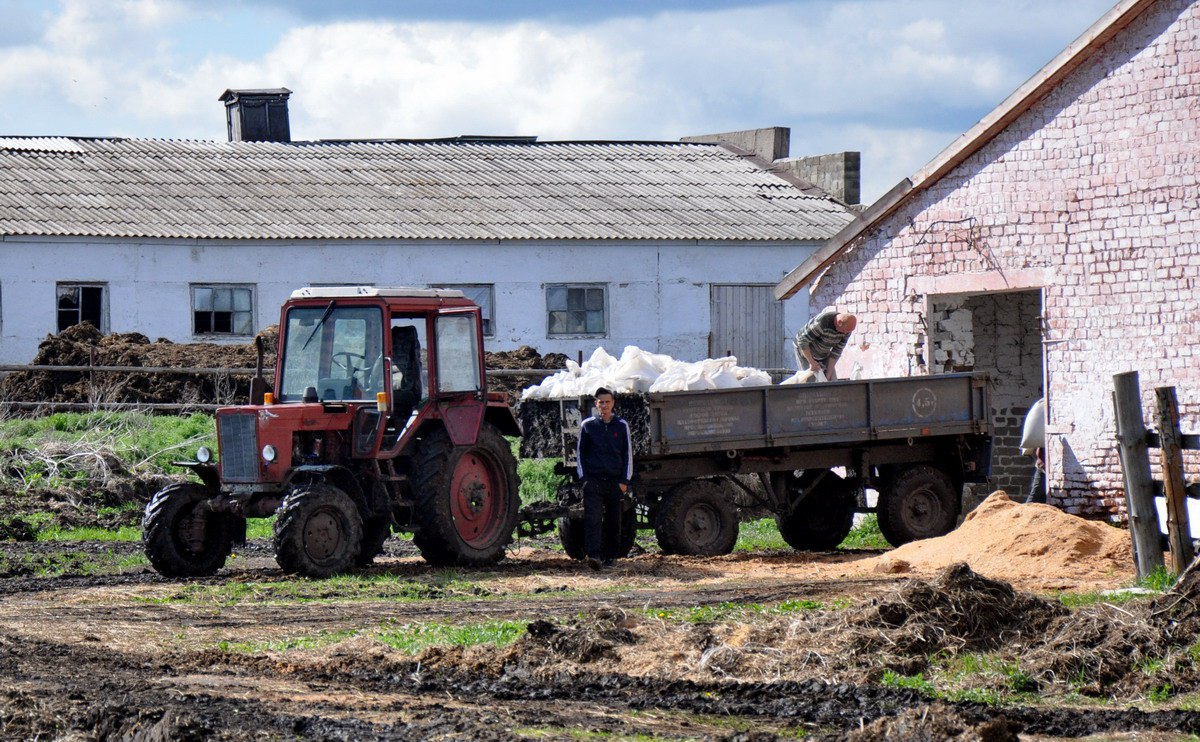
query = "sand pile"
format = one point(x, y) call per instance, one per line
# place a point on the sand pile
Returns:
point(1010, 541)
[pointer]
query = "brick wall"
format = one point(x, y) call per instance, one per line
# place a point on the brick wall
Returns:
point(1096, 187)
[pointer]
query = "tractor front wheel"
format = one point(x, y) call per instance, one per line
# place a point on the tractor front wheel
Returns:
point(466, 497)
point(181, 536)
point(318, 531)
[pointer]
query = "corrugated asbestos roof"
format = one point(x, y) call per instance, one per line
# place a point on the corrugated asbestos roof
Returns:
point(400, 190)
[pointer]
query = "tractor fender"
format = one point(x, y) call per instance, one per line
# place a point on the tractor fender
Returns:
point(502, 419)
point(206, 472)
point(338, 476)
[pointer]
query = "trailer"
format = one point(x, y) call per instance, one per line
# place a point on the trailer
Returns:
point(812, 450)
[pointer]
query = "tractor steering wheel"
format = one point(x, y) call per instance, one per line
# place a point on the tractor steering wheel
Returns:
point(348, 366)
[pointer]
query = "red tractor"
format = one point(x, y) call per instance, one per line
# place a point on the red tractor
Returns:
point(380, 420)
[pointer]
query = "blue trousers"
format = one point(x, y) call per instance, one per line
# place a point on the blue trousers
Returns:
point(601, 518)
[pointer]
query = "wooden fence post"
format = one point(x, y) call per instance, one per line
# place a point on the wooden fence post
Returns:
point(1135, 467)
point(1179, 530)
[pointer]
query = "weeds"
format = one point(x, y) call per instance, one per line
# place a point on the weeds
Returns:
point(1161, 579)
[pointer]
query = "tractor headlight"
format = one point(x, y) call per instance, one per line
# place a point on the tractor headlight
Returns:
point(204, 454)
point(268, 453)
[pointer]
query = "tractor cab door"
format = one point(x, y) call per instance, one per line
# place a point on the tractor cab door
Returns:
point(458, 373)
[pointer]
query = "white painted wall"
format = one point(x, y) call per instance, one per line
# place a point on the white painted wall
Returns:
point(658, 293)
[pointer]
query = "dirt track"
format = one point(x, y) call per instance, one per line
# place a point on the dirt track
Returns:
point(135, 654)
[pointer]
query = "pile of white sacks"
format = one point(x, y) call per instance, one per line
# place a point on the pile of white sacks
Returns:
point(638, 370)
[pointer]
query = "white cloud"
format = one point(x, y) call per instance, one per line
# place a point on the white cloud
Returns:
point(895, 80)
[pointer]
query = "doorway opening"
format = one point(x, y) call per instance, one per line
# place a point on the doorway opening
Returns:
point(1000, 333)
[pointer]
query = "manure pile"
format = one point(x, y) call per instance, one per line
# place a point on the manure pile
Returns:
point(83, 345)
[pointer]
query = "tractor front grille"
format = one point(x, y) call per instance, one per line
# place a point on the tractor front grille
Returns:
point(237, 437)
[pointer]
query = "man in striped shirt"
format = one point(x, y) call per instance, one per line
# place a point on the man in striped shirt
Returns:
point(820, 344)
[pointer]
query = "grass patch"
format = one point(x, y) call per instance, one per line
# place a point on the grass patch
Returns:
point(759, 535)
point(260, 528)
point(733, 611)
point(866, 535)
point(340, 588)
point(140, 442)
point(892, 679)
point(407, 638)
point(763, 535)
point(70, 563)
point(125, 533)
point(539, 482)
point(412, 638)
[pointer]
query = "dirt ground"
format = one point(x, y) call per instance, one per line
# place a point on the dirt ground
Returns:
point(251, 654)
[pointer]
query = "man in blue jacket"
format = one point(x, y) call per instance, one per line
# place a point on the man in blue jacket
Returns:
point(604, 462)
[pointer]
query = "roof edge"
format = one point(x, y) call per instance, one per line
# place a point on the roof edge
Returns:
point(1021, 100)
point(802, 275)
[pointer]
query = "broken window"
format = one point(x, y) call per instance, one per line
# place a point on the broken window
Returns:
point(576, 309)
point(222, 310)
point(78, 303)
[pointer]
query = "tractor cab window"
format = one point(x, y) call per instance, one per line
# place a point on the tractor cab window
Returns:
point(336, 350)
point(458, 353)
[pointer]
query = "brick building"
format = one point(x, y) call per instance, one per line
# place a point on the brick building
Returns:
point(1055, 244)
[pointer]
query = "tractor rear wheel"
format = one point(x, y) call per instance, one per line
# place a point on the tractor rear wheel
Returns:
point(697, 518)
point(821, 520)
point(318, 531)
point(466, 499)
point(181, 536)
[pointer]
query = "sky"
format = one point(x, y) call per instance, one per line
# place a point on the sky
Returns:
point(897, 80)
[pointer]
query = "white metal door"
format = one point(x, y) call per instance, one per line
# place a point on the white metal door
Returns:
point(747, 321)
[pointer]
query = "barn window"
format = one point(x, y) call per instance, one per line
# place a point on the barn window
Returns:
point(222, 309)
point(82, 302)
point(483, 294)
point(576, 309)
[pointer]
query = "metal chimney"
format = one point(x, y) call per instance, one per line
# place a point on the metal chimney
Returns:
point(257, 115)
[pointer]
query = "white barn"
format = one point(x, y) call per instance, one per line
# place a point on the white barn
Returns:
point(671, 246)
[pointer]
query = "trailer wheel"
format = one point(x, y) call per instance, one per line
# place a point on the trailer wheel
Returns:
point(318, 531)
point(570, 533)
point(182, 537)
point(918, 503)
point(466, 499)
point(823, 518)
point(697, 519)
point(375, 532)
